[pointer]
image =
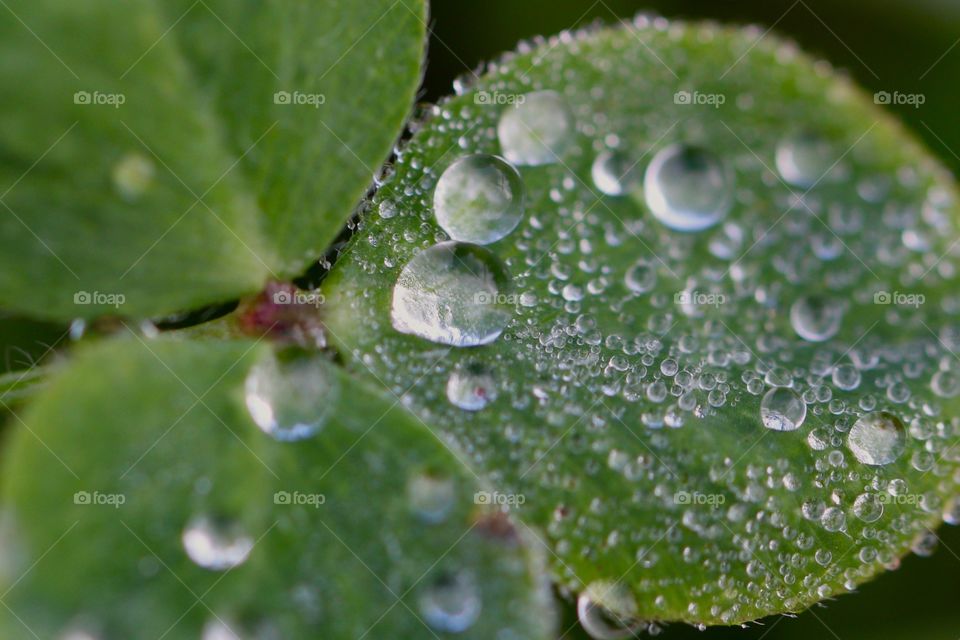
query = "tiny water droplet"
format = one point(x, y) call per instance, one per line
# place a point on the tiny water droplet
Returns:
point(479, 199)
point(218, 629)
point(614, 173)
point(833, 519)
point(925, 544)
point(782, 410)
point(868, 507)
point(945, 384)
point(216, 544)
point(78, 634)
point(688, 188)
point(431, 496)
point(132, 175)
point(877, 438)
point(471, 386)
point(641, 277)
point(451, 602)
point(537, 130)
point(291, 396)
point(452, 293)
point(607, 611)
point(815, 318)
point(846, 377)
point(802, 159)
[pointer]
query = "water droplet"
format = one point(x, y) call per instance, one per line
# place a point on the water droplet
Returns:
point(868, 507)
point(877, 438)
point(815, 318)
point(479, 199)
point(290, 396)
point(216, 544)
point(833, 519)
point(78, 634)
point(688, 188)
point(641, 277)
point(218, 629)
point(613, 173)
point(132, 175)
point(846, 377)
point(951, 513)
point(925, 544)
point(471, 386)
point(802, 159)
point(451, 602)
point(537, 130)
point(431, 496)
point(607, 611)
point(782, 410)
point(945, 384)
point(452, 293)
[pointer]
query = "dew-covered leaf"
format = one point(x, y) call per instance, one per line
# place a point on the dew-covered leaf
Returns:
point(156, 156)
point(143, 501)
point(714, 354)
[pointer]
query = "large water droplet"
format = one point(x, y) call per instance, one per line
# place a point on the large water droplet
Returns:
point(452, 293)
point(782, 410)
point(451, 602)
point(471, 386)
point(688, 188)
point(290, 396)
point(537, 130)
point(877, 438)
point(815, 318)
point(614, 173)
point(479, 199)
point(607, 611)
point(431, 496)
point(802, 159)
point(216, 544)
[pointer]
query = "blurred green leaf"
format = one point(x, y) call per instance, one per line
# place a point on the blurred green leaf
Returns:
point(623, 398)
point(160, 156)
point(369, 528)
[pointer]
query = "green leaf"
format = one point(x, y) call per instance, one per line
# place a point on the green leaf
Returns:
point(369, 527)
point(623, 396)
point(159, 156)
